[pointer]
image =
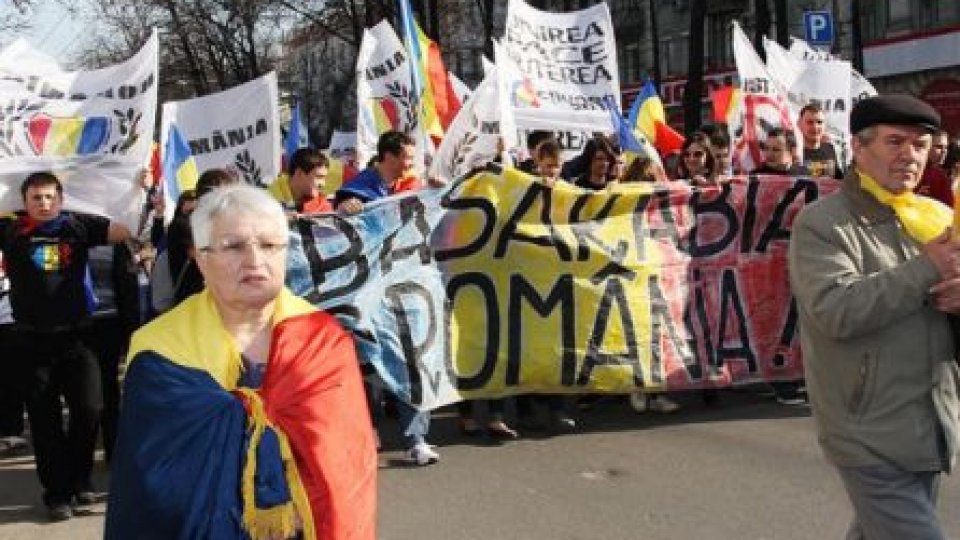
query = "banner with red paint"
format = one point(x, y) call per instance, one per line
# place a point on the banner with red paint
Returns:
point(499, 285)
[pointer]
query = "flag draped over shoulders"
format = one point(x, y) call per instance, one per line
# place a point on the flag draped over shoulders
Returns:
point(197, 457)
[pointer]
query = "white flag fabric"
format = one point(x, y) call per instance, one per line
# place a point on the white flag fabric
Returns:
point(385, 96)
point(460, 88)
point(93, 129)
point(860, 87)
point(472, 139)
point(237, 129)
point(763, 105)
point(805, 81)
point(343, 145)
point(559, 69)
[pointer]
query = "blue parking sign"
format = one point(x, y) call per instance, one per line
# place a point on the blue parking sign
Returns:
point(818, 27)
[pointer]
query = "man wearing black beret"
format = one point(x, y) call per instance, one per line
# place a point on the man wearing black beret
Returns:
point(876, 275)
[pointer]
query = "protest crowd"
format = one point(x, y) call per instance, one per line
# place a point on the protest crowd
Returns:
point(241, 330)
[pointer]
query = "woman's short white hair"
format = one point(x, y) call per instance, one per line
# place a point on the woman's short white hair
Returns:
point(233, 199)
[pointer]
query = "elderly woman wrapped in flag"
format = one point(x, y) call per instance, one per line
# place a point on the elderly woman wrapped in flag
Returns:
point(244, 414)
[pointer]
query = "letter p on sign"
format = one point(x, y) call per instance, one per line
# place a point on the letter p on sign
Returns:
point(818, 27)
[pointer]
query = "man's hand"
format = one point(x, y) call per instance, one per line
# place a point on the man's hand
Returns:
point(117, 232)
point(944, 253)
point(350, 206)
point(946, 295)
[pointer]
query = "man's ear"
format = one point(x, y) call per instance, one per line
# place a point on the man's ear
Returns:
point(855, 143)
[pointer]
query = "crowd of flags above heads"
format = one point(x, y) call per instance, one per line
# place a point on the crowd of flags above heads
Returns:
point(435, 104)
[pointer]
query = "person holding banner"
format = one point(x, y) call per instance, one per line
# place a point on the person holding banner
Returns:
point(697, 163)
point(243, 407)
point(876, 276)
point(384, 177)
point(306, 176)
point(779, 157)
point(719, 142)
point(534, 140)
point(602, 162)
point(46, 250)
point(548, 161)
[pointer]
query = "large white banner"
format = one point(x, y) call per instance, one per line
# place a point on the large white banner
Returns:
point(472, 139)
point(237, 129)
point(93, 129)
point(763, 104)
point(860, 87)
point(559, 69)
point(807, 81)
point(385, 96)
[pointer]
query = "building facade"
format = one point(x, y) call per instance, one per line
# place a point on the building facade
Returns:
point(907, 46)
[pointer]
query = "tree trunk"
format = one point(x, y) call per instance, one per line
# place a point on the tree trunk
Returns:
point(783, 27)
point(655, 37)
point(486, 16)
point(762, 28)
point(199, 79)
point(693, 91)
point(856, 35)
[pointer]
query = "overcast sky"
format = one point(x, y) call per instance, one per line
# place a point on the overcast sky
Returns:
point(54, 31)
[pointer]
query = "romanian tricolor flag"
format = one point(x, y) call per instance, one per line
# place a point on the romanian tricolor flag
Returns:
point(386, 114)
point(725, 101)
point(297, 135)
point(439, 103)
point(67, 136)
point(632, 143)
point(179, 168)
point(648, 117)
point(198, 456)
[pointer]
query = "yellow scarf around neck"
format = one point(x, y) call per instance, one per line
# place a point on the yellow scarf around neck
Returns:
point(923, 218)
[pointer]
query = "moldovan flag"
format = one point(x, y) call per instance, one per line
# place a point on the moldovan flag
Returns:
point(647, 116)
point(179, 168)
point(439, 103)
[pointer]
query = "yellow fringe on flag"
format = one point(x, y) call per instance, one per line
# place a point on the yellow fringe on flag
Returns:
point(923, 218)
point(281, 520)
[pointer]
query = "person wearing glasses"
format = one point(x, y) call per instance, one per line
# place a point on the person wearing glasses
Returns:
point(244, 410)
point(697, 164)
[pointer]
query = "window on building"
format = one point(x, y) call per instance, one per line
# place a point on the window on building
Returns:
point(631, 62)
point(674, 51)
point(898, 16)
point(719, 40)
point(948, 12)
point(872, 22)
point(929, 14)
point(665, 66)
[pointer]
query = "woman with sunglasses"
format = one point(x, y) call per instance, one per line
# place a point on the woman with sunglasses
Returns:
point(697, 163)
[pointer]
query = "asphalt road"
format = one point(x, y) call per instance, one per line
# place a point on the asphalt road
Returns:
point(749, 469)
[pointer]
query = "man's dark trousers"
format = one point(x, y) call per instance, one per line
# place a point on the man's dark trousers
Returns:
point(55, 364)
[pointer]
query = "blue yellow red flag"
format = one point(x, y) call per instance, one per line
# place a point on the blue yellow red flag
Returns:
point(179, 168)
